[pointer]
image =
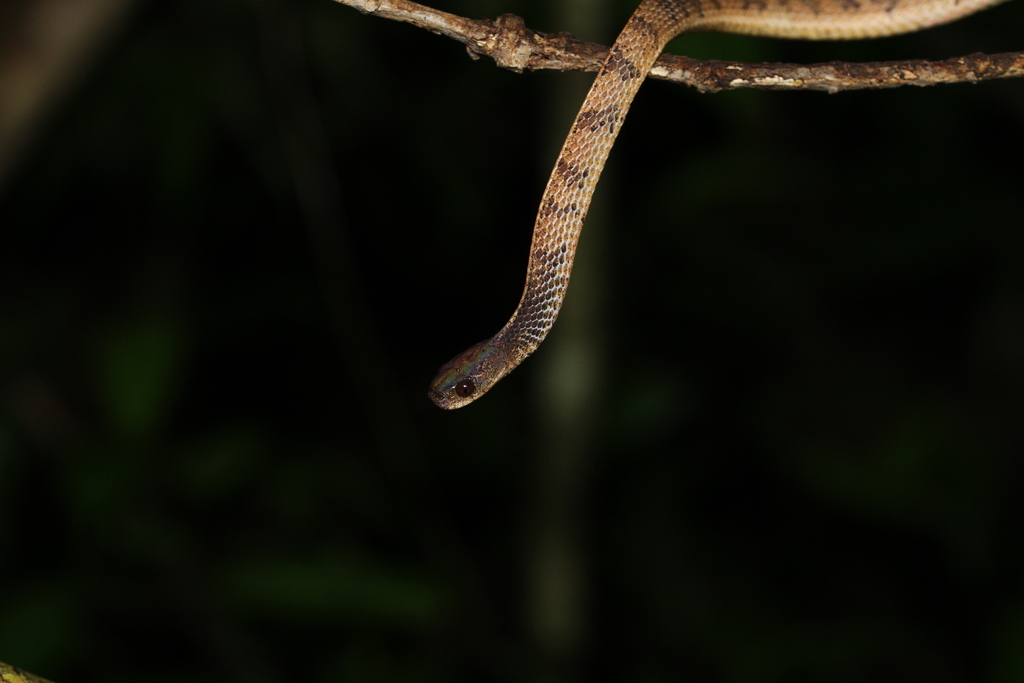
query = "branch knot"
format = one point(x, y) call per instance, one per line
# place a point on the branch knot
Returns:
point(509, 44)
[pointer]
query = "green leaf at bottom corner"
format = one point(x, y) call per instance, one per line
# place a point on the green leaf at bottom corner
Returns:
point(10, 674)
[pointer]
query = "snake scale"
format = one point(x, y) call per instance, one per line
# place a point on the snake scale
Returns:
point(566, 198)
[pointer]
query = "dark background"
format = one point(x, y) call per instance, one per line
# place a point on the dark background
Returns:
point(233, 259)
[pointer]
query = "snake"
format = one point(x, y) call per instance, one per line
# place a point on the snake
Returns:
point(571, 186)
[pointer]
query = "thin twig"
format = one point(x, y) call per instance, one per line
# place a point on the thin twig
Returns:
point(513, 46)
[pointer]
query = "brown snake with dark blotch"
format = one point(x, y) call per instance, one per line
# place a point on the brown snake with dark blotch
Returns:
point(571, 185)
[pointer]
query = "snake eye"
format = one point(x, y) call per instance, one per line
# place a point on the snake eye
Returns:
point(464, 388)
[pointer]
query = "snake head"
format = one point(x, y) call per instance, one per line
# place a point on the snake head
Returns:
point(469, 375)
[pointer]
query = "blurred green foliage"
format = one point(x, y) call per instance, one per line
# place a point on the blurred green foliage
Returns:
point(231, 265)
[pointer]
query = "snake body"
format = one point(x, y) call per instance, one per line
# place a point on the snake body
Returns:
point(567, 196)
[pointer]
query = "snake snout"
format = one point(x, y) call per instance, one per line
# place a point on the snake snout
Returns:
point(468, 376)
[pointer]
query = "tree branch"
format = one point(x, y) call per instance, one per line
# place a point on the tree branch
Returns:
point(513, 46)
